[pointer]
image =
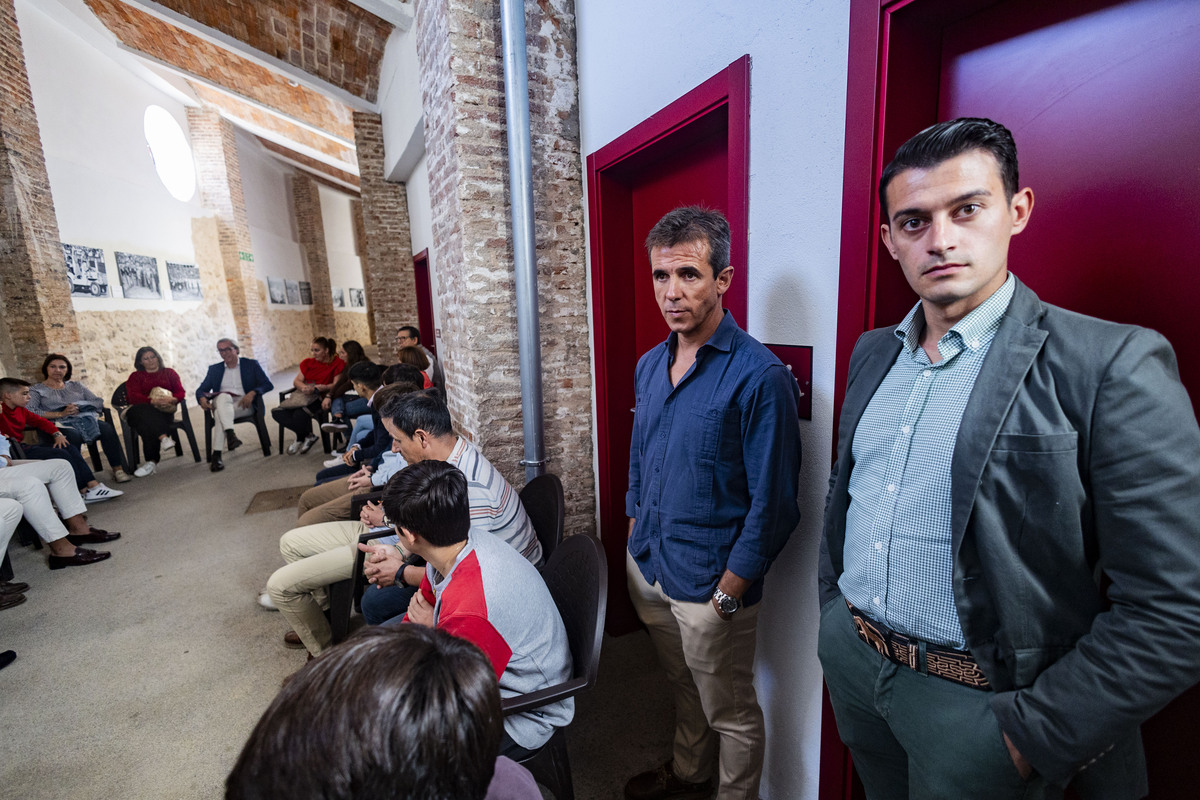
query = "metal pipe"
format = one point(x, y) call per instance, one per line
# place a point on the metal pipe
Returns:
point(520, 188)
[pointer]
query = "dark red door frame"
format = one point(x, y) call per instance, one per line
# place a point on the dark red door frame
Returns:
point(725, 94)
point(424, 290)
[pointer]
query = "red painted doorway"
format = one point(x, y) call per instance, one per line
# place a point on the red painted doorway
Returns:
point(693, 152)
point(424, 300)
point(1100, 95)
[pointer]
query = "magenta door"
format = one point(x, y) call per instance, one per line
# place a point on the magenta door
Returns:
point(693, 152)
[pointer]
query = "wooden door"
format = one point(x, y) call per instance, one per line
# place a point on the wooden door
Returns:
point(693, 152)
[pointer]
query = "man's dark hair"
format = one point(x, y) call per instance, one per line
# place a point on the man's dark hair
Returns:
point(429, 498)
point(411, 330)
point(393, 390)
point(694, 224)
point(948, 140)
point(141, 351)
point(407, 373)
point(424, 410)
point(57, 357)
point(11, 384)
point(405, 712)
point(367, 373)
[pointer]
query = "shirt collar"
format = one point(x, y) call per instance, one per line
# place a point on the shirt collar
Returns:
point(974, 330)
point(722, 338)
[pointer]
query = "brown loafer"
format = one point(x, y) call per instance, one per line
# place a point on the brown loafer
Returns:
point(93, 536)
point(10, 600)
point(292, 639)
point(13, 588)
point(81, 558)
point(661, 784)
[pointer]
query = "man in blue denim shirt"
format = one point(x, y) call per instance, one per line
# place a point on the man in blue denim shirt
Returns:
point(713, 469)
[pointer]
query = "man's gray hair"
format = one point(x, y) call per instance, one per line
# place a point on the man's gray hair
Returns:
point(233, 342)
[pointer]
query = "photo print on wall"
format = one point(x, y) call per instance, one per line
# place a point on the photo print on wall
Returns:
point(339, 297)
point(139, 276)
point(86, 270)
point(305, 293)
point(184, 280)
point(277, 290)
point(357, 298)
point(293, 293)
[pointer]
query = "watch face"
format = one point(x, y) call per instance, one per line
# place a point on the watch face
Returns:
point(729, 604)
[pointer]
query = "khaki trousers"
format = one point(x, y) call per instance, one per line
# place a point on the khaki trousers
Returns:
point(316, 556)
point(710, 664)
point(329, 502)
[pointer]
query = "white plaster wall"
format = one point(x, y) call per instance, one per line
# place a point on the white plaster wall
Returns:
point(345, 265)
point(420, 221)
point(798, 50)
point(107, 193)
point(400, 104)
point(267, 191)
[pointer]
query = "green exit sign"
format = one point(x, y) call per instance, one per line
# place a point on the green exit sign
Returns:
point(244, 256)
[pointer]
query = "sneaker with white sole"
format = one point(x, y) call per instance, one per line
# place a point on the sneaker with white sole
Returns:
point(144, 469)
point(294, 447)
point(335, 427)
point(333, 462)
point(99, 493)
point(264, 600)
point(309, 441)
point(121, 476)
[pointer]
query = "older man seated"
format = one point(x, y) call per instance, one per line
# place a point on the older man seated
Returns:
point(233, 389)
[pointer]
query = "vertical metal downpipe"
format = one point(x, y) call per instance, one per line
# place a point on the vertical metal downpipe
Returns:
point(520, 187)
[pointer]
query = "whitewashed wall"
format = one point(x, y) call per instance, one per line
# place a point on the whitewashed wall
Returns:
point(267, 189)
point(798, 50)
point(345, 265)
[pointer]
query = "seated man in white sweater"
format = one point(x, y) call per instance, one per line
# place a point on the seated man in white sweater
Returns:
point(481, 589)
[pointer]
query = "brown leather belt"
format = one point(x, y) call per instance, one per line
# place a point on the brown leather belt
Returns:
point(952, 665)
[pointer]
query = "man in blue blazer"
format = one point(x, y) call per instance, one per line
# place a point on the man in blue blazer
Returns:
point(233, 388)
point(1010, 568)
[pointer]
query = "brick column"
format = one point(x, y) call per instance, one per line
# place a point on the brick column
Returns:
point(219, 177)
point(388, 269)
point(462, 91)
point(360, 249)
point(310, 225)
point(38, 315)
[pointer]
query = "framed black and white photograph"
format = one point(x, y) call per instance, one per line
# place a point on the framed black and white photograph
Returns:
point(184, 280)
point(86, 270)
point(339, 297)
point(357, 298)
point(277, 290)
point(293, 293)
point(305, 293)
point(139, 276)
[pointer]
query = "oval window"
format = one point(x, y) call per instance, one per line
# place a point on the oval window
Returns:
point(171, 153)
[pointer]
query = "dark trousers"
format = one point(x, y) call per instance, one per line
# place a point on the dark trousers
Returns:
point(333, 473)
point(912, 734)
point(109, 443)
point(388, 604)
point(70, 454)
point(296, 420)
point(150, 424)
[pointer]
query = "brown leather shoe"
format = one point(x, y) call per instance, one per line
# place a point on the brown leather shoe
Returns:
point(81, 558)
point(292, 639)
point(661, 784)
point(13, 588)
point(10, 600)
point(93, 536)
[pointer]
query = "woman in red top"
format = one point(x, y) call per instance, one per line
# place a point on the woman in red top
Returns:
point(154, 392)
point(316, 378)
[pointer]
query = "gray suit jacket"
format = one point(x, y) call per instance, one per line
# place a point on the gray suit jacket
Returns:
point(1078, 453)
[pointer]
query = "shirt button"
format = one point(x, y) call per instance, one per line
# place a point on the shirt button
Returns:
point(891, 487)
point(927, 373)
point(906, 429)
point(879, 545)
point(876, 600)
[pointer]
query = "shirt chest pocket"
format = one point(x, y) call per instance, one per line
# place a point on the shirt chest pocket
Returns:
point(722, 435)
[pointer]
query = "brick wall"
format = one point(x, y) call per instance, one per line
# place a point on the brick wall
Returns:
point(360, 249)
point(38, 316)
point(219, 178)
point(459, 51)
point(310, 226)
point(387, 260)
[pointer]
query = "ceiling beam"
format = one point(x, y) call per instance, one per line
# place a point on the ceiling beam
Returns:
point(399, 13)
point(240, 48)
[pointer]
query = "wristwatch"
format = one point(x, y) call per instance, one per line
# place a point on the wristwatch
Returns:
point(727, 604)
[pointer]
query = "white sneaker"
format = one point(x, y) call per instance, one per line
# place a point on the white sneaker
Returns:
point(309, 441)
point(99, 493)
point(333, 462)
point(294, 447)
point(144, 469)
point(264, 600)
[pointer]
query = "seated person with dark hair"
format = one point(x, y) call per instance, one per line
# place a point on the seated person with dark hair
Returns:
point(481, 589)
point(154, 392)
point(316, 377)
point(14, 418)
point(365, 378)
point(406, 713)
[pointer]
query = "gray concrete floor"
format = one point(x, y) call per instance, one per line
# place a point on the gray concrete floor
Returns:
point(140, 677)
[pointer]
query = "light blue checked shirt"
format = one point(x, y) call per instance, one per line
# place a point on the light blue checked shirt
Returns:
point(897, 556)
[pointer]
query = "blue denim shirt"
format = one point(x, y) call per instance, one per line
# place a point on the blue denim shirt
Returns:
point(713, 465)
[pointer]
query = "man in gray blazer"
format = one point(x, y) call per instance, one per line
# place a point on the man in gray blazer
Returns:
point(1010, 569)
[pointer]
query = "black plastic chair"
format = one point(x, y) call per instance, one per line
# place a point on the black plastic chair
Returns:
point(321, 417)
point(346, 596)
point(120, 401)
point(543, 500)
point(577, 577)
point(258, 420)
